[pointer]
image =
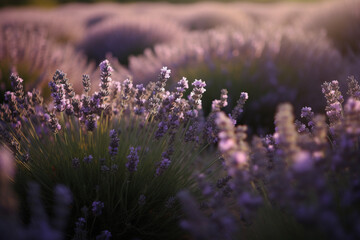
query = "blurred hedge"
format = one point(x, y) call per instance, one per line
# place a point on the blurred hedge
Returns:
point(50, 3)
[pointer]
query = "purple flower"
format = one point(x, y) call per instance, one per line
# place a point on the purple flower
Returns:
point(133, 160)
point(105, 75)
point(162, 166)
point(17, 85)
point(86, 83)
point(307, 113)
point(196, 94)
point(182, 85)
point(88, 159)
point(199, 84)
point(165, 72)
point(53, 123)
point(114, 143)
point(97, 207)
point(105, 66)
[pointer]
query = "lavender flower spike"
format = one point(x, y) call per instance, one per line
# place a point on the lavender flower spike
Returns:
point(133, 160)
point(162, 166)
point(105, 74)
point(97, 207)
point(165, 73)
point(114, 143)
point(196, 94)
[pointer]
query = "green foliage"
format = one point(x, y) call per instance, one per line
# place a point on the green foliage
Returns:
point(50, 163)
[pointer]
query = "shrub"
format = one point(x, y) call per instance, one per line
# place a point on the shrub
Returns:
point(270, 66)
point(300, 182)
point(124, 151)
point(340, 20)
point(28, 51)
point(125, 36)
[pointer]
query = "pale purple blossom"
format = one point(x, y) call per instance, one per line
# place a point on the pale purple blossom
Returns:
point(165, 72)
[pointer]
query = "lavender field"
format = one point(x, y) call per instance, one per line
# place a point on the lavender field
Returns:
point(201, 121)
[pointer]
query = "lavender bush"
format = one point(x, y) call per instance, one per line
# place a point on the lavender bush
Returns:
point(28, 51)
point(271, 66)
point(125, 36)
point(126, 154)
point(340, 20)
point(300, 182)
point(60, 26)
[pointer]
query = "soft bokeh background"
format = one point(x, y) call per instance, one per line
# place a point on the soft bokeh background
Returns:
point(50, 3)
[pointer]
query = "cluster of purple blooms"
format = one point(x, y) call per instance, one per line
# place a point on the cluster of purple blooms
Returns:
point(297, 170)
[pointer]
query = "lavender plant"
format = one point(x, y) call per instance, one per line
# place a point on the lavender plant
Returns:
point(125, 36)
point(271, 66)
point(29, 52)
point(340, 21)
point(113, 161)
point(298, 183)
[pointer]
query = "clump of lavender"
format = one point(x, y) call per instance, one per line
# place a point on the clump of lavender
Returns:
point(78, 133)
point(62, 92)
point(133, 160)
